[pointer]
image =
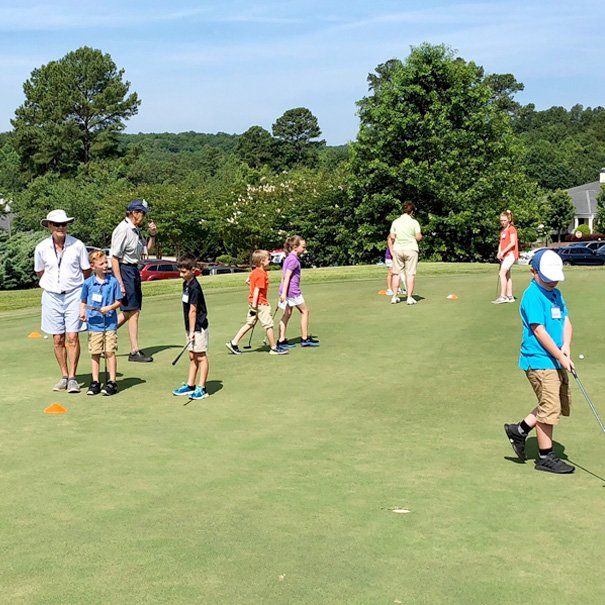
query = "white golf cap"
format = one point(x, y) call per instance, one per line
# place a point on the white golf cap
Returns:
point(549, 265)
point(56, 216)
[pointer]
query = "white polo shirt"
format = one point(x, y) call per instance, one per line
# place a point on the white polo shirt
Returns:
point(62, 270)
point(127, 243)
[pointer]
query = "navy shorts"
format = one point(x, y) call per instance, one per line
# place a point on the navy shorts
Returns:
point(133, 299)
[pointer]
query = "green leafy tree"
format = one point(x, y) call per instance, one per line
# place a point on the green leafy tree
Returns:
point(559, 211)
point(73, 111)
point(257, 147)
point(433, 132)
point(599, 224)
point(297, 130)
point(17, 260)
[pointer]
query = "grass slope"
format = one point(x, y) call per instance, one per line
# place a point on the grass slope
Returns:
point(277, 489)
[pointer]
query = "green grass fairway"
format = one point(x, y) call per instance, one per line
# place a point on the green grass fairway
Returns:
point(279, 487)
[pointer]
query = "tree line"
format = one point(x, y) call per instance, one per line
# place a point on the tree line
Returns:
point(435, 129)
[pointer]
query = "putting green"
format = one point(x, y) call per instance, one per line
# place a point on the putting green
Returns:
point(280, 487)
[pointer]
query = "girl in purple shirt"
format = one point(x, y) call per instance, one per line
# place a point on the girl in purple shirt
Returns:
point(290, 294)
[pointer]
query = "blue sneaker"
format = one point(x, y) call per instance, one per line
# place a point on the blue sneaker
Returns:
point(199, 393)
point(183, 390)
point(284, 344)
point(309, 342)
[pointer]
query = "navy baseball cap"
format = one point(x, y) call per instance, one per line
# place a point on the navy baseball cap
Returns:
point(549, 265)
point(138, 206)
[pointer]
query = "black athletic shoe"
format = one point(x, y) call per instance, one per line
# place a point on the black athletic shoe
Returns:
point(517, 440)
point(309, 342)
point(111, 388)
point(233, 348)
point(139, 356)
point(552, 464)
point(94, 388)
point(284, 344)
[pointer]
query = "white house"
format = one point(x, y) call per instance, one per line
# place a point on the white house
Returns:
point(584, 198)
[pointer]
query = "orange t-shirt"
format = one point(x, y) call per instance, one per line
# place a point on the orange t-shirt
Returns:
point(505, 238)
point(259, 278)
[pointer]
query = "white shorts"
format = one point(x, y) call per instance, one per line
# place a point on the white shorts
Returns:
point(200, 342)
point(61, 312)
point(507, 262)
point(292, 301)
point(388, 262)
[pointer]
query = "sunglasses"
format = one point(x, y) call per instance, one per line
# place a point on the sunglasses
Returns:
point(59, 224)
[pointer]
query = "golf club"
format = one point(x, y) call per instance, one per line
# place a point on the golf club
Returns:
point(588, 400)
point(249, 345)
point(174, 362)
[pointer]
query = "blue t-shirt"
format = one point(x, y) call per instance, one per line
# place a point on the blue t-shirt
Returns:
point(545, 307)
point(101, 294)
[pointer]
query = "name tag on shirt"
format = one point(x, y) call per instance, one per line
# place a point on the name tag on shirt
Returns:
point(186, 298)
point(555, 313)
point(97, 297)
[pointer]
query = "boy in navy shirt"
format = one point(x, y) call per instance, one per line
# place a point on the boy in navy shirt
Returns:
point(195, 315)
point(102, 292)
point(546, 358)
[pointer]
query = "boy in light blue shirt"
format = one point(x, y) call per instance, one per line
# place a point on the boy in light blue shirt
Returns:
point(100, 297)
point(546, 358)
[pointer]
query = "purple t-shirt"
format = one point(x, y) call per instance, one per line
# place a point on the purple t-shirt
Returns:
point(387, 254)
point(291, 263)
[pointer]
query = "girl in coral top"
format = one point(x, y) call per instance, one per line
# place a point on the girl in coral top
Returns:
point(508, 253)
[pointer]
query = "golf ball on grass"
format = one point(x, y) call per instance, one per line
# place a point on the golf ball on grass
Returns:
point(46, 337)
point(581, 356)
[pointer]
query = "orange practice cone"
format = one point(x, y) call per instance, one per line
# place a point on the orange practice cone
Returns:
point(452, 297)
point(383, 292)
point(34, 335)
point(55, 408)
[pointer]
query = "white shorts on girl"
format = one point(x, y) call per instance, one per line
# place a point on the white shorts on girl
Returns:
point(507, 262)
point(61, 312)
point(292, 301)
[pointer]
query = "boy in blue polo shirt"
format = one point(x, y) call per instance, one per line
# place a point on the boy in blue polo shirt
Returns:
point(546, 358)
point(101, 291)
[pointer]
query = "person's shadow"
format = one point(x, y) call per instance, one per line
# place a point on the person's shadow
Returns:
point(158, 349)
point(212, 387)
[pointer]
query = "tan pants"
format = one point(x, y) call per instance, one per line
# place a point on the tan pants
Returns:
point(404, 260)
point(95, 342)
point(553, 393)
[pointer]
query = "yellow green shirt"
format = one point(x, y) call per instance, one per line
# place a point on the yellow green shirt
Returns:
point(405, 229)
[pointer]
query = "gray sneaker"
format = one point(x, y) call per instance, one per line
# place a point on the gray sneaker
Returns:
point(73, 386)
point(500, 300)
point(61, 385)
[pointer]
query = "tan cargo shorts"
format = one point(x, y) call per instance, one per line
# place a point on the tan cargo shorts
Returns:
point(199, 343)
point(95, 342)
point(263, 315)
point(553, 392)
point(405, 260)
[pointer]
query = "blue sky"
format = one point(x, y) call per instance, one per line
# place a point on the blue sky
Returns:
point(210, 66)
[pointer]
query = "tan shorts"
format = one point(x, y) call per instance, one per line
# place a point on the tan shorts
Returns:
point(200, 342)
point(405, 260)
point(554, 395)
point(507, 262)
point(263, 315)
point(95, 342)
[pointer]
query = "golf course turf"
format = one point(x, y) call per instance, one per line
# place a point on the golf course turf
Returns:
point(280, 487)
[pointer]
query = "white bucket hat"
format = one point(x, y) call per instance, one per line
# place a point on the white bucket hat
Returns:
point(56, 216)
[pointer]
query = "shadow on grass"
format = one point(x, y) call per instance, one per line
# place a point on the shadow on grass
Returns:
point(212, 387)
point(532, 451)
point(127, 383)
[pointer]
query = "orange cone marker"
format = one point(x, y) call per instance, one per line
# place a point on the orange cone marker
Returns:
point(55, 408)
point(383, 292)
point(34, 335)
point(452, 297)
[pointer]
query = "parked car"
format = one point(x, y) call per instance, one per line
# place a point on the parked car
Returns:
point(277, 256)
point(594, 245)
point(216, 269)
point(154, 269)
point(579, 255)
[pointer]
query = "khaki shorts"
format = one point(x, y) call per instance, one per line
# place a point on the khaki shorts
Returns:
point(405, 260)
point(554, 395)
point(507, 262)
point(263, 315)
point(200, 342)
point(95, 342)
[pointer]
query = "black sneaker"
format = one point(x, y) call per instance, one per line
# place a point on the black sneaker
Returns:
point(94, 388)
point(139, 356)
point(111, 388)
point(517, 440)
point(551, 464)
point(309, 342)
point(233, 348)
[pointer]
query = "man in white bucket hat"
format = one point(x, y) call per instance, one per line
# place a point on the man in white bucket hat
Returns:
point(61, 263)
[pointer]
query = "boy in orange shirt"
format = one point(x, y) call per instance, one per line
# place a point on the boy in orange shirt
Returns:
point(259, 308)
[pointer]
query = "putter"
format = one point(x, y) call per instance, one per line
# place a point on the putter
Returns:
point(588, 400)
point(249, 345)
point(174, 362)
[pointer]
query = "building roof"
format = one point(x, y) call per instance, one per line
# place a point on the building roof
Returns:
point(585, 198)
